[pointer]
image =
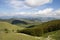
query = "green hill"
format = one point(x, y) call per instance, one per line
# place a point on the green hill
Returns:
point(20, 22)
point(8, 32)
point(16, 36)
point(4, 26)
point(46, 31)
point(52, 35)
point(43, 28)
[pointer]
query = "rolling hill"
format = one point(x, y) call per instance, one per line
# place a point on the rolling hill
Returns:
point(52, 35)
point(43, 28)
point(46, 31)
point(8, 32)
point(21, 22)
point(4, 26)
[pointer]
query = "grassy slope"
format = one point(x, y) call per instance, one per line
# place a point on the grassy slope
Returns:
point(50, 36)
point(53, 35)
point(8, 26)
point(43, 28)
point(16, 36)
point(12, 35)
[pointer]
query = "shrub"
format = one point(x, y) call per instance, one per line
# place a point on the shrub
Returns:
point(6, 30)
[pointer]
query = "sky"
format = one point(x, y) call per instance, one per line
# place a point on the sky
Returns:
point(30, 8)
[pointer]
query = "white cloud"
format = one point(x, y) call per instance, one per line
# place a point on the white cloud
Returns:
point(37, 2)
point(41, 13)
point(56, 13)
point(44, 13)
point(48, 12)
point(19, 4)
point(16, 4)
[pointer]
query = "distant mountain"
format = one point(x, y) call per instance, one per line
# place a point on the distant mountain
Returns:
point(43, 19)
point(23, 22)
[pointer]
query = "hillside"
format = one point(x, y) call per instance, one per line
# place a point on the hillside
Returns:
point(4, 26)
point(55, 35)
point(46, 31)
point(9, 32)
point(43, 28)
point(16, 36)
point(52, 35)
point(21, 22)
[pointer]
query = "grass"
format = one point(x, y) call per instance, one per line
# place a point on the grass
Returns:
point(16, 36)
point(9, 27)
point(6, 32)
point(55, 35)
point(19, 36)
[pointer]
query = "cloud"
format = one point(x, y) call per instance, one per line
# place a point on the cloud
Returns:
point(41, 13)
point(16, 4)
point(21, 4)
point(57, 13)
point(37, 2)
point(50, 13)
point(47, 12)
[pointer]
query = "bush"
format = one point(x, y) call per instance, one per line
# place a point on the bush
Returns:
point(6, 30)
